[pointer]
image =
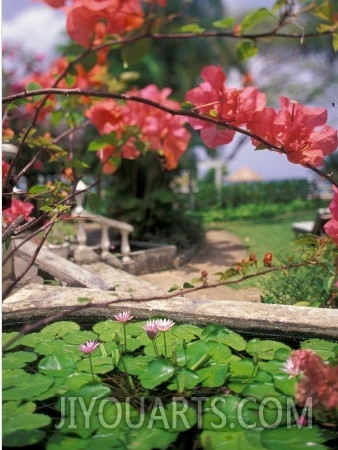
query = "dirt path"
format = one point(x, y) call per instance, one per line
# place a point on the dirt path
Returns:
point(218, 252)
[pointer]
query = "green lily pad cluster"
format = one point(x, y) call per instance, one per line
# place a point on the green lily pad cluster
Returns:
point(208, 386)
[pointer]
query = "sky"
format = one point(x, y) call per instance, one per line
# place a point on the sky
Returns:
point(34, 26)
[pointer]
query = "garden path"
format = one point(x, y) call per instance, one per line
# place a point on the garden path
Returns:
point(218, 251)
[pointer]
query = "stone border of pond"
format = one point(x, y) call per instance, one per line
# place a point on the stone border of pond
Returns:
point(36, 301)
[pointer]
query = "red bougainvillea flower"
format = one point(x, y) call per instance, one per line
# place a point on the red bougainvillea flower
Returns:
point(89, 20)
point(331, 227)
point(319, 380)
point(295, 129)
point(213, 98)
point(17, 209)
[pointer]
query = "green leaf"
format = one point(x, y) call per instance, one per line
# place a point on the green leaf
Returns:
point(188, 285)
point(261, 391)
point(229, 273)
point(141, 438)
point(57, 117)
point(264, 349)
point(227, 22)
point(80, 337)
point(284, 384)
point(221, 334)
point(156, 372)
point(184, 379)
point(89, 61)
point(187, 331)
point(27, 387)
point(246, 49)
point(323, 11)
point(325, 349)
point(32, 86)
point(50, 347)
point(37, 189)
point(25, 421)
point(335, 41)
point(101, 364)
point(136, 365)
point(17, 360)
point(222, 413)
point(87, 392)
point(293, 438)
point(214, 375)
point(255, 18)
point(7, 337)
point(192, 28)
point(59, 329)
point(180, 416)
point(174, 287)
point(58, 366)
point(132, 53)
point(23, 438)
point(243, 368)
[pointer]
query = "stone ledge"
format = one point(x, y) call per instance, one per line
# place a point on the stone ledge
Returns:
point(38, 301)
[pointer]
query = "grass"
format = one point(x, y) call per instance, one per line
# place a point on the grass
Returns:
point(266, 235)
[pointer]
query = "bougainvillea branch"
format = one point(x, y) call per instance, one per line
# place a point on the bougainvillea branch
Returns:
point(174, 112)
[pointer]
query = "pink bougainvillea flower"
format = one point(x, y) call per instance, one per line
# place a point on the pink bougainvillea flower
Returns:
point(158, 130)
point(233, 106)
point(5, 169)
point(123, 316)
point(105, 154)
point(319, 380)
point(294, 129)
point(164, 324)
point(86, 19)
point(157, 2)
point(151, 329)
point(107, 116)
point(331, 227)
point(88, 347)
point(17, 209)
point(55, 3)
point(163, 133)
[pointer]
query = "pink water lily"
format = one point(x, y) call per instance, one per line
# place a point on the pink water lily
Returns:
point(291, 368)
point(164, 324)
point(123, 316)
point(151, 329)
point(88, 347)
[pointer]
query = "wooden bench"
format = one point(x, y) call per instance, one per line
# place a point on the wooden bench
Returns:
point(316, 226)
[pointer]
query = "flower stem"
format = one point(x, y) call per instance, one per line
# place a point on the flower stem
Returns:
point(155, 348)
point(125, 336)
point(165, 344)
point(129, 378)
point(91, 366)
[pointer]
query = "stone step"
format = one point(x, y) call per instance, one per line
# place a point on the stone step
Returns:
point(122, 281)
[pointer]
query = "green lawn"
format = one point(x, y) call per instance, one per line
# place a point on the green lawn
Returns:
point(264, 236)
point(269, 235)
